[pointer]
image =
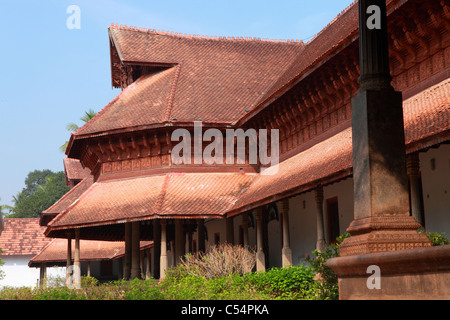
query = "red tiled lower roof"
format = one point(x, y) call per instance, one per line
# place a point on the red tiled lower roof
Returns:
point(56, 251)
point(193, 195)
point(66, 200)
point(22, 236)
point(190, 195)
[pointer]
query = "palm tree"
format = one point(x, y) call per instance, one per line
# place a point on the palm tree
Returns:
point(71, 127)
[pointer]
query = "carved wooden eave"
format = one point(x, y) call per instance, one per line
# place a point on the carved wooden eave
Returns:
point(322, 99)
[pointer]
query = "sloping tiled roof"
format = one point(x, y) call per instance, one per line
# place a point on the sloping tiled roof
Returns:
point(66, 200)
point(427, 117)
point(427, 123)
point(56, 251)
point(195, 195)
point(22, 236)
point(227, 76)
point(74, 170)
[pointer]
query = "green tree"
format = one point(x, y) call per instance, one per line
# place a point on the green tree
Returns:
point(42, 189)
point(88, 115)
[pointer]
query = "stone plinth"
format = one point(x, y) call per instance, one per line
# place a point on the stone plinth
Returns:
point(416, 274)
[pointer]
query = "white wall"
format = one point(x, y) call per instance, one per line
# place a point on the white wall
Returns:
point(343, 190)
point(436, 188)
point(18, 274)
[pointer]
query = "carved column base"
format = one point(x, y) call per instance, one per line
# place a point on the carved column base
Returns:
point(383, 234)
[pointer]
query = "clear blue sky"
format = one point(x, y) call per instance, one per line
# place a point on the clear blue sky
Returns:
point(50, 75)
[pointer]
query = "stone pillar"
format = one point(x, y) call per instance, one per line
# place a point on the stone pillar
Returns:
point(135, 251)
point(76, 262)
point(69, 278)
point(230, 230)
point(286, 252)
point(127, 256)
point(321, 244)
point(179, 241)
point(156, 248)
point(163, 260)
point(381, 199)
point(43, 275)
point(201, 235)
point(413, 167)
point(260, 257)
point(245, 230)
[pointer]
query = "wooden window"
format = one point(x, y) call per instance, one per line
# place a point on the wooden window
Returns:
point(333, 219)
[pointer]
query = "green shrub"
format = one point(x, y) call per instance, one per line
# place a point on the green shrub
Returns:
point(284, 283)
point(437, 239)
point(327, 283)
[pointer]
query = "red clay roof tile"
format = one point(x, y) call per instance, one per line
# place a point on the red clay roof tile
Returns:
point(90, 250)
point(227, 76)
point(22, 236)
point(190, 195)
point(74, 169)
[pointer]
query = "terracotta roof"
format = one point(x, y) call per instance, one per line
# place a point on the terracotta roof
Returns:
point(427, 117)
point(227, 76)
point(190, 195)
point(302, 172)
point(74, 170)
point(66, 200)
point(56, 251)
point(22, 236)
point(427, 123)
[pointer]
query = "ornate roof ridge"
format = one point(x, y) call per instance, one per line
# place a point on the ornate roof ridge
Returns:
point(206, 37)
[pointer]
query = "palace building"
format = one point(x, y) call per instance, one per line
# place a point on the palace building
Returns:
point(134, 191)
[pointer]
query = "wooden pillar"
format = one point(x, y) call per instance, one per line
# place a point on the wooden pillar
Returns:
point(141, 263)
point(88, 269)
point(127, 256)
point(230, 230)
point(286, 252)
point(135, 251)
point(201, 235)
point(76, 262)
point(189, 237)
point(179, 241)
point(321, 244)
point(260, 257)
point(43, 275)
point(245, 230)
point(413, 168)
point(163, 260)
point(69, 278)
point(148, 273)
point(156, 248)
